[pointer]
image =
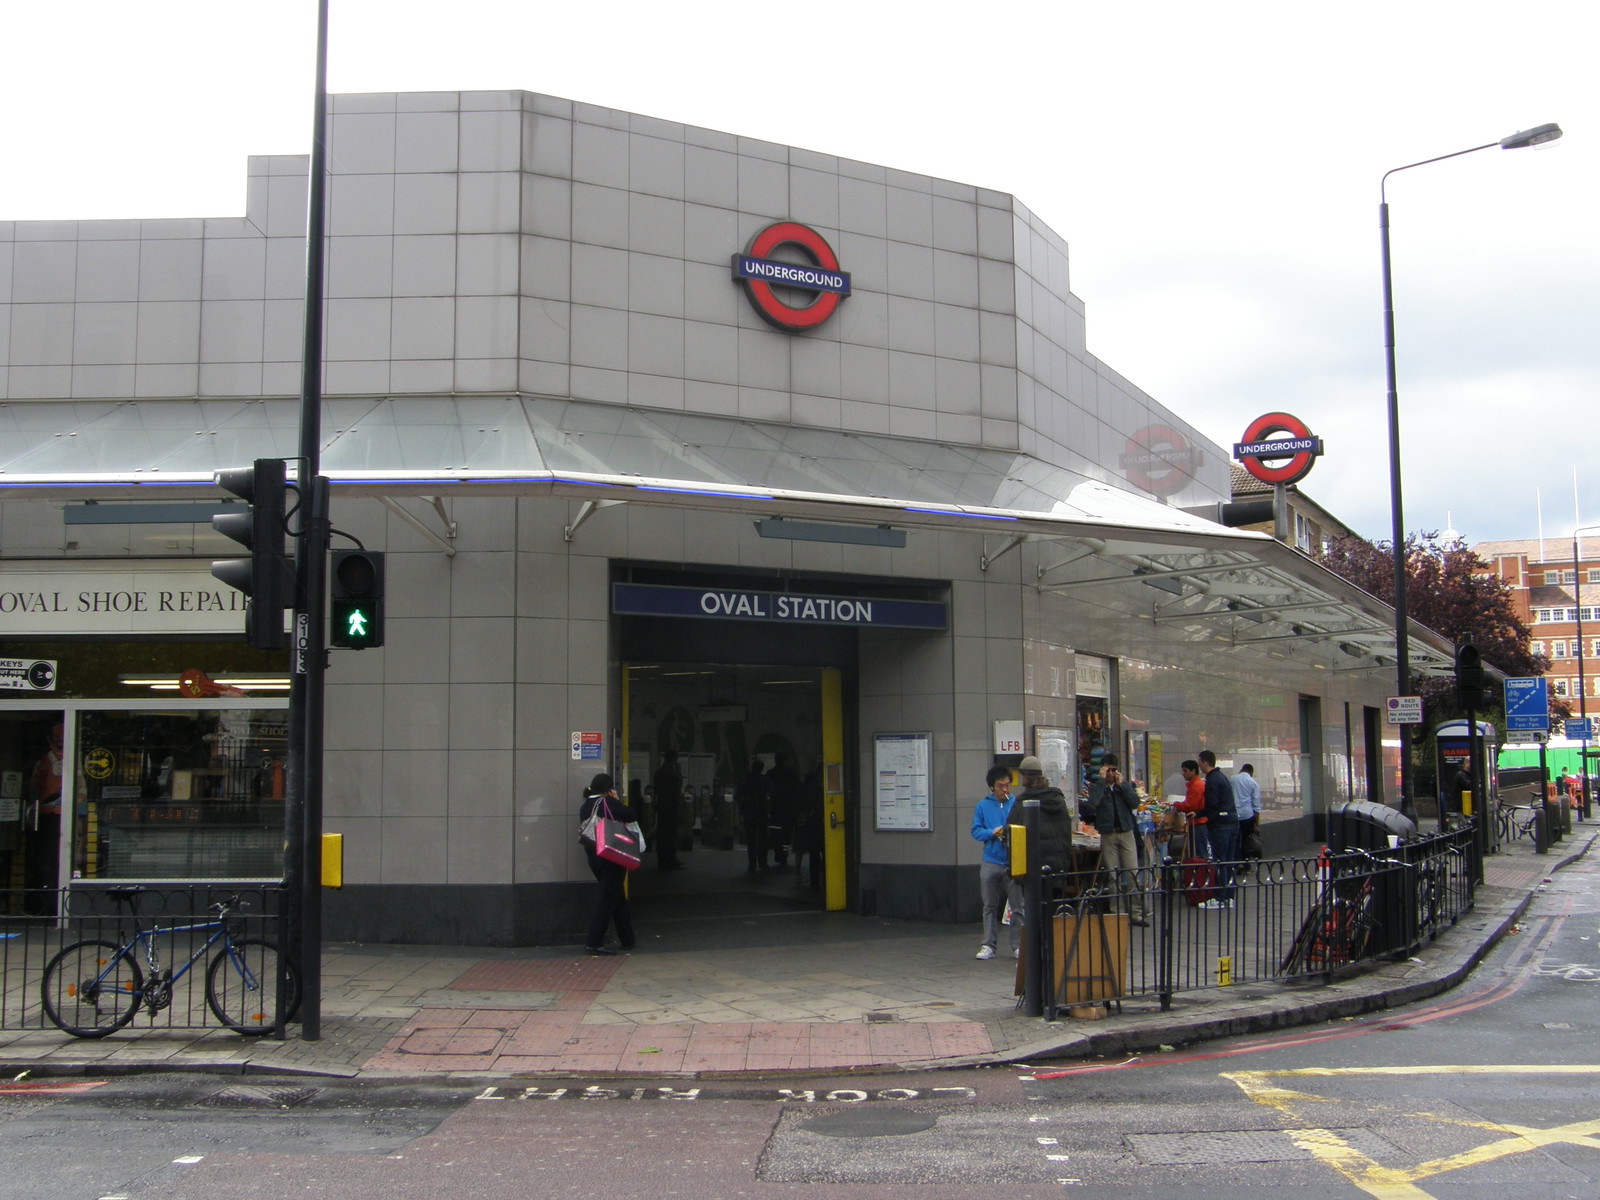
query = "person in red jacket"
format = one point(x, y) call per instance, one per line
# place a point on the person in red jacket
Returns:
point(1194, 803)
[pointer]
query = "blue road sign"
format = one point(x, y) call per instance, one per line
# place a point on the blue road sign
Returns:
point(1527, 705)
point(1580, 729)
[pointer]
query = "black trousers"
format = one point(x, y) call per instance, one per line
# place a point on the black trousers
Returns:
point(755, 836)
point(611, 905)
point(666, 842)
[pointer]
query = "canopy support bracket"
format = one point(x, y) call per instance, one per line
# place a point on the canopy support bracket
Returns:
point(586, 510)
point(986, 558)
point(442, 541)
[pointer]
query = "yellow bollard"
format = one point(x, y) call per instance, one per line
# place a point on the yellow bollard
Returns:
point(333, 860)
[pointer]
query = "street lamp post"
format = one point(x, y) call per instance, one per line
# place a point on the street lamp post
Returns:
point(1516, 141)
point(1583, 695)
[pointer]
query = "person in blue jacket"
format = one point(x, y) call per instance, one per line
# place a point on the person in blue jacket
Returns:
point(995, 884)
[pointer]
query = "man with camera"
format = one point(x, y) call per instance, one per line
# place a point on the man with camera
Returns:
point(1113, 806)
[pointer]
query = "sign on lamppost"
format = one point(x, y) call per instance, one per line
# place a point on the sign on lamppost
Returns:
point(1527, 705)
point(1403, 710)
point(1278, 448)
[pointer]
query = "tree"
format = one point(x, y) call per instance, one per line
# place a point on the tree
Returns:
point(1451, 591)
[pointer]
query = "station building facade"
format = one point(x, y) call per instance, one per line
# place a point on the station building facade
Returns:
point(673, 439)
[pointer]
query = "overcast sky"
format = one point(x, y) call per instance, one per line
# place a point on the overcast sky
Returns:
point(1214, 169)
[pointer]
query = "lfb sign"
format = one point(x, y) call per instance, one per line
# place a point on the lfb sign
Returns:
point(1008, 737)
point(1278, 448)
point(760, 273)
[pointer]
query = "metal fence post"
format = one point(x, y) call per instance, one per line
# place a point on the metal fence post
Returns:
point(1169, 892)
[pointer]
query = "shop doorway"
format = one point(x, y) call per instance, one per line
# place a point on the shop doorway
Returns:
point(709, 857)
point(33, 760)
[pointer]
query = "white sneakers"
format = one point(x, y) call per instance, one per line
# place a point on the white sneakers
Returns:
point(985, 952)
point(1218, 904)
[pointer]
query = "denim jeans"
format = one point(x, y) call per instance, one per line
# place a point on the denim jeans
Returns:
point(997, 886)
point(1225, 852)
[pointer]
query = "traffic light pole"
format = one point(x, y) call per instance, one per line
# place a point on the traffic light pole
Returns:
point(307, 688)
point(303, 828)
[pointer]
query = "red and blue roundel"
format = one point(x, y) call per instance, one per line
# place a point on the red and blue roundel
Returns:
point(1160, 460)
point(760, 274)
point(1292, 457)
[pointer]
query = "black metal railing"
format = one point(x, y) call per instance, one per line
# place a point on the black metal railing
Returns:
point(1274, 921)
point(37, 925)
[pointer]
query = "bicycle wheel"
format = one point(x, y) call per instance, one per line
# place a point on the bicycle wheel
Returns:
point(1429, 896)
point(1302, 955)
point(91, 989)
point(242, 986)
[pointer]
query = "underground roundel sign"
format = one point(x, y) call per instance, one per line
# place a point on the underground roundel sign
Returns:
point(820, 276)
point(1278, 448)
point(1160, 460)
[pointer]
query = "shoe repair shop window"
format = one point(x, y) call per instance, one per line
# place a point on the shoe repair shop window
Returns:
point(180, 793)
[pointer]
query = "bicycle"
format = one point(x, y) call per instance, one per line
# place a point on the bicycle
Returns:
point(94, 987)
point(1433, 890)
point(1516, 821)
point(1339, 926)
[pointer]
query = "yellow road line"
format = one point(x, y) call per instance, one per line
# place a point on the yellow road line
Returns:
point(1388, 1183)
point(1375, 1180)
point(1508, 1069)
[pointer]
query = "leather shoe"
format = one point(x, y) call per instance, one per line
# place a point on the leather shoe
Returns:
point(601, 951)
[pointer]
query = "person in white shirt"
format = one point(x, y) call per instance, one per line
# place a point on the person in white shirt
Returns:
point(1247, 800)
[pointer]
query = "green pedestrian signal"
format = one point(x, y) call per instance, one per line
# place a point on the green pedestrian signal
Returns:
point(355, 611)
point(355, 624)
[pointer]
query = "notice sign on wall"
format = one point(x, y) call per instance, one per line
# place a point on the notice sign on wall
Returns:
point(901, 768)
point(27, 674)
point(587, 746)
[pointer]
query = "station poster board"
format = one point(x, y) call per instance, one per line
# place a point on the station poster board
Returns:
point(1057, 750)
point(902, 770)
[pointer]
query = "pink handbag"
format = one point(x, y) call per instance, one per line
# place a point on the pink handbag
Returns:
point(614, 841)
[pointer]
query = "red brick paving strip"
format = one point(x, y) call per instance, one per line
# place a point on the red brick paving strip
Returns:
point(548, 1042)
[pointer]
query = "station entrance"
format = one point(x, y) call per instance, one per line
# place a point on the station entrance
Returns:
point(721, 695)
point(714, 848)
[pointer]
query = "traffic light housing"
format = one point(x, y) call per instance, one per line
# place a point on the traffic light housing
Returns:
point(1472, 680)
point(355, 611)
point(264, 577)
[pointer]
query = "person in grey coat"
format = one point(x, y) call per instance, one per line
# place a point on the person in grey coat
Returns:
point(1115, 808)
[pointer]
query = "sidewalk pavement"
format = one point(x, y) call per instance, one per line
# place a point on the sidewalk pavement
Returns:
point(806, 991)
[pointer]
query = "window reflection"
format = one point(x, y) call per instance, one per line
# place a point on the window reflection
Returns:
point(186, 794)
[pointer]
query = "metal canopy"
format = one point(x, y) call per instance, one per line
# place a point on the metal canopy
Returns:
point(1129, 553)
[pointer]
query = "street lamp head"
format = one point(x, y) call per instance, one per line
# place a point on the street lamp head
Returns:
point(1538, 135)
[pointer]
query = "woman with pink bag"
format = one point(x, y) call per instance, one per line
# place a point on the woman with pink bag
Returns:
point(611, 905)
